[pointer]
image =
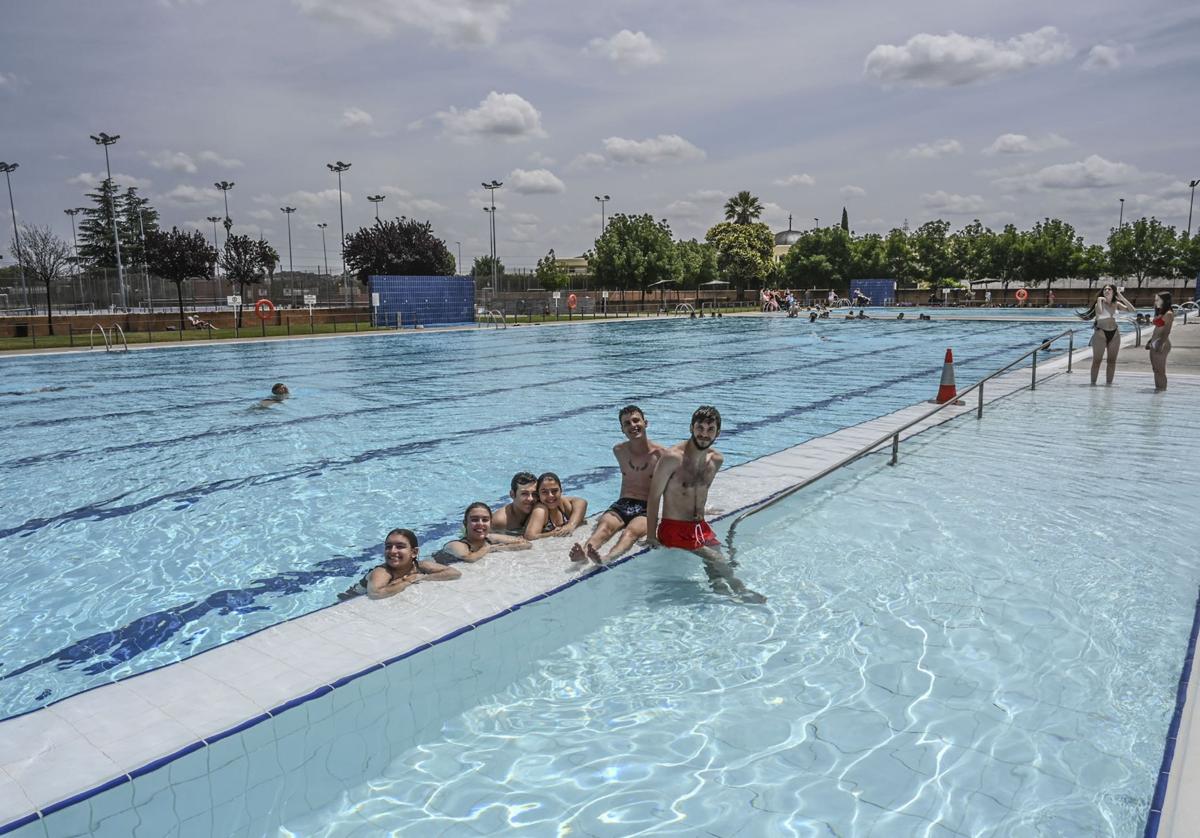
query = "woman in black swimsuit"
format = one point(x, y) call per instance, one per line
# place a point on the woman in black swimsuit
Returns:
point(555, 515)
point(1106, 339)
point(401, 568)
point(478, 539)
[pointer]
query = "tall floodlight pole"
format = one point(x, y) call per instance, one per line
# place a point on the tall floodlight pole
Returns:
point(225, 186)
point(816, 223)
point(1193, 184)
point(323, 225)
point(491, 188)
point(458, 264)
point(339, 167)
point(602, 200)
point(8, 168)
point(376, 199)
point(1121, 217)
point(105, 140)
point(145, 264)
point(491, 243)
point(214, 219)
point(288, 212)
point(75, 242)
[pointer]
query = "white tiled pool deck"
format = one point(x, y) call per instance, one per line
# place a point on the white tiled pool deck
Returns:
point(70, 750)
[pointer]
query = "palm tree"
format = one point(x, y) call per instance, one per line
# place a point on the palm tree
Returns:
point(743, 208)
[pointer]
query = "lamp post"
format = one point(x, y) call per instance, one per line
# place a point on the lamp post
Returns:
point(323, 225)
point(1193, 184)
point(376, 200)
point(491, 244)
point(75, 242)
point(1121, 217)
point(602, 202)
point(338, 168)
point(225, 186)
point(491, 188)
point(458, 264)
point(214, 219)
point(8, 169)
point(816, 223)
point(106, 140)
point(288, 212)
point(145, 265)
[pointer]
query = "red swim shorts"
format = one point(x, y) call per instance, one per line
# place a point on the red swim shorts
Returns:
point(686, 535)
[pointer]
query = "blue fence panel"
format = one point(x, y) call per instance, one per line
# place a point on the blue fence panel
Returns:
point(882, 292)
point(424, 300)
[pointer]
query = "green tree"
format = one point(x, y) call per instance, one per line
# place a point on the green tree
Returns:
point(821, 256)
point(550, 275)
point(931, 247)
point(1091, 264)
point(482, 269)
point(1143, 249)
point(845, 220)
point(743, 208)
point(46, 258)
point(634, 251)
point(1187, 263)
point(96, 246)
point(697, 263)
point(744, 252)
point(1008, 257)
point(971, 249)
point(178, 256)
point(134, 213)
point(868, 257)
point(398, 247)
point(1051, 251)
point(241, 263)
point(899, 257)
point(268, 258)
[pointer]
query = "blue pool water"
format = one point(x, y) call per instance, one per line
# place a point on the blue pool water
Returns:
point(148, 512)
point(977, 642)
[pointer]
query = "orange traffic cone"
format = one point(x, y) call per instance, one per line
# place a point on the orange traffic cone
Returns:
point(947, 392)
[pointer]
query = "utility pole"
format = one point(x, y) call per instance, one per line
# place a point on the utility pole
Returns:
point(602, 201)
point(338, 168)
point(225, 186)
point(75, 242)
point(1191, 201)
point(376, 199)
point(491, 188)
point(105, 140)
point(8, 169)
point(323, 225)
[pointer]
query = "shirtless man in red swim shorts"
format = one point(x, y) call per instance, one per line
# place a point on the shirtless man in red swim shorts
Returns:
point(679, 489)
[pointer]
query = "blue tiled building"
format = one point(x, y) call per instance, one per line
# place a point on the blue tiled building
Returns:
point(881, 291)
point(424, 300)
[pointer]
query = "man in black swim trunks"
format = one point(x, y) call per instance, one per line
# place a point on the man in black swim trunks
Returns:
point(510, 518)
point(637, 458)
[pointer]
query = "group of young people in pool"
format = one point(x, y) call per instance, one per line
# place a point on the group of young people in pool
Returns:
point(662, 498)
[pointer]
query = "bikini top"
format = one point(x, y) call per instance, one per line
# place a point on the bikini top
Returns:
point(1158, 321)
point(550, 525)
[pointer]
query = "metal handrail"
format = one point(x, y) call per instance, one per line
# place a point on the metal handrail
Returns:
point(894, 435)
point(117, 326)
point(685, 308)
point(103, 334)
point(498, 319)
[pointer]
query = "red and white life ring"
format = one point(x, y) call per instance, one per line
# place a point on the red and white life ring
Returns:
point(264, 308)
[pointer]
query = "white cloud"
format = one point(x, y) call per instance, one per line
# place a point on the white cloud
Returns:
point(356, 118)
point(454, 22)
point(303, 199)
point(686, 209)
point(505, 116)
point(92, 181)
point(1103, 57)
point(852, 191)
point(9, 81)
point(262, 214)
point(708, 195)
point(937, 148)
point(540, 159)
point(218, 160)
point(628, 50)
point(795, 180)
point(400, 201)
point(183, 194)
point(952, 204)
point(1091, 173)
point(535, 182)
point(524, 218)
point(1021, 144)
point(663, 148)
point(173, 161)
point(953, 59)
point(587, 160)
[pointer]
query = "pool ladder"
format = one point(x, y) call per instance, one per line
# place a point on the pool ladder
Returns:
point(110, 337)
point(496, 318)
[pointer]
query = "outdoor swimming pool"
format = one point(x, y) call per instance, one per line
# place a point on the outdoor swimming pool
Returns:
point(149, 512)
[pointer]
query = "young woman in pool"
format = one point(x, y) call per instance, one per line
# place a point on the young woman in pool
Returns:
point(555, 514)
point(1106, 339)
point(478, 539)
point(1159, 343)
point(401, 567)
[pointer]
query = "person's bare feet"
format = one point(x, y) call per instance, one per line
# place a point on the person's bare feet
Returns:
point(594, 554)
point(577, 554)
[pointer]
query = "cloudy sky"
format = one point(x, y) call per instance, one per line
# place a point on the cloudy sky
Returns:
point(1003, 112)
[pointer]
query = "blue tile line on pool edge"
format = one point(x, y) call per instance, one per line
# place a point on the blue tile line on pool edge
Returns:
point(1154, 816)
point(129, 641)
point(328, 688)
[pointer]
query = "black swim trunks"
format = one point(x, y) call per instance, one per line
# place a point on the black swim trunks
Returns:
point(627, 509)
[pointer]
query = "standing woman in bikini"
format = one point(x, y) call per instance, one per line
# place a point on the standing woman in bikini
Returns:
point(1106, 339)
point(1159, 343)
point(478, 539)
point(556, 514)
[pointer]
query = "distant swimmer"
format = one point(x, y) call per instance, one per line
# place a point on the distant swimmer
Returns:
point(636, 457)
point(679, 489)
point(511, 517)
point(278, 393)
